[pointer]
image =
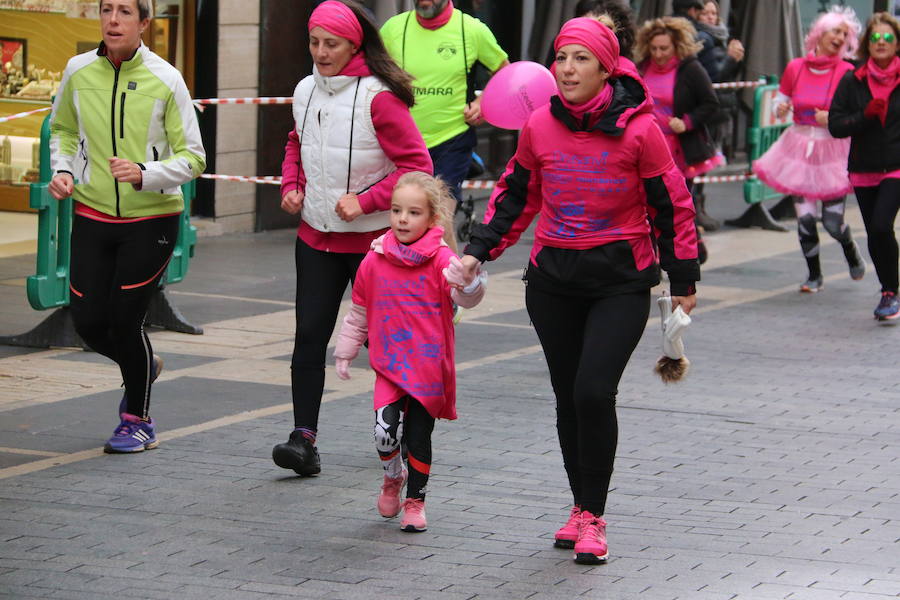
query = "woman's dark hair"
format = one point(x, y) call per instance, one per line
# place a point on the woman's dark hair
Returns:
point(619, 12)
point(879, 18)
point(377, 58)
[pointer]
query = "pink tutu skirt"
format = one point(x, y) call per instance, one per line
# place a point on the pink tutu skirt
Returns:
point(806, 161)
point(706, 166)
point(695, 170)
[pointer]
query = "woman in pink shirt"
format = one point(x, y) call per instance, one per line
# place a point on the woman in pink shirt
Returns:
point(596, 167)
point(684, 101)
point(866, 108)
point(353, 139)
point(806, 161)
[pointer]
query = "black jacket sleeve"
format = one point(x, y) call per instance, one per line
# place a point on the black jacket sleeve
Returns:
point(671, 212)
point(845, 116)
point(707, 55)
point(704, 103)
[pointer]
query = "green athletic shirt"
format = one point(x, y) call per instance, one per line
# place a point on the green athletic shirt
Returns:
point(435, 59)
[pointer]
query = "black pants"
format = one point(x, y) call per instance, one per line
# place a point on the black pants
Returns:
point(406, 420)
point(832, 221)
point(587, 343)
point(115, 270)
point(322, 278)
point(879, 206)
point(452, 160)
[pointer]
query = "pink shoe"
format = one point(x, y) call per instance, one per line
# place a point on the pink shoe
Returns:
point(389, 499)
point(413, 516)
point(590, 548)
point(568, 533)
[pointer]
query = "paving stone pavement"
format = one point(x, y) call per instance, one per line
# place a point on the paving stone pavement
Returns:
point(772, 471)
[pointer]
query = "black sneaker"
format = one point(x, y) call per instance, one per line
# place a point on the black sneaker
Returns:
point(297, 454)
point(855, 262)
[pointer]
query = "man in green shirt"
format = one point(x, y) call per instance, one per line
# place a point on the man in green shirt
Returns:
point(439, 45)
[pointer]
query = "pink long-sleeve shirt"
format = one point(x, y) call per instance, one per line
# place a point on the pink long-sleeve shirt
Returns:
point(406, 301)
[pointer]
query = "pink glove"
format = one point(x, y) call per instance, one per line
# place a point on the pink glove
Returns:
point(342, 366)
point(352, 335)
point(455, 274)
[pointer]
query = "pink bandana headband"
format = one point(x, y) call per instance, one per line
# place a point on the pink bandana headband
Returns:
point(593, 35)
point(337, 18)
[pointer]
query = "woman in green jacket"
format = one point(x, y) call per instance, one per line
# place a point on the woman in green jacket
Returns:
point(123, 137)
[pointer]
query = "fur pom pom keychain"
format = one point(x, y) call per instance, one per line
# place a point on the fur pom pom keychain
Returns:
point(673, 365)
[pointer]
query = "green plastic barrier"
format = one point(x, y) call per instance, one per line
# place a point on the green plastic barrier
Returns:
point(49, 286)
point(761, 135)
point(187, 237)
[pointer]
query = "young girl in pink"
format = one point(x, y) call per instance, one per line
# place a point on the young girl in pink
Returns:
point(403, 303)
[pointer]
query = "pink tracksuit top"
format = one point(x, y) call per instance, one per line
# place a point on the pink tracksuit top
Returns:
point(595, 181)
point(409, 314)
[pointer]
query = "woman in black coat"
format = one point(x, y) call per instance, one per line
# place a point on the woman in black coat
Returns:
point(683, 96)
point(866, 108)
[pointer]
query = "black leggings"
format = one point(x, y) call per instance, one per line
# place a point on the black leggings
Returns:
point(587, 343)
point(322, 278)
point(115, 270)
point(879, 206)
point(406, 420)
point(832, 221)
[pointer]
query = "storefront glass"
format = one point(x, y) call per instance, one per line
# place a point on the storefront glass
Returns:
point(37, 38)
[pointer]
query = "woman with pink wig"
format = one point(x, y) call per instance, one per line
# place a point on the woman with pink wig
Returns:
point(806, 161)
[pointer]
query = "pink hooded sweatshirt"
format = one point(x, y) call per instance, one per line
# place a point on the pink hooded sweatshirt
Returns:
point(402, 303)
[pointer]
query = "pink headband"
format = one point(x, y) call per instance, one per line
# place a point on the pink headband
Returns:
point(593, 35)
point(337, 18)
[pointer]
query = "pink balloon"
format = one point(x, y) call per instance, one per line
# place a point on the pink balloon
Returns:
point(514, 92)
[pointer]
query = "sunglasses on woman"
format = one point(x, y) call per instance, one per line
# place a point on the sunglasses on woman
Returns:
point(887, 37)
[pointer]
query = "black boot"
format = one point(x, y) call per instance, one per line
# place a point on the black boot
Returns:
point(297, 454)
point(702, 219)
point(702, 252)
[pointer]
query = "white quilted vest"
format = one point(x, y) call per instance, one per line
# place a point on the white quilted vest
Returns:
point(326, 109)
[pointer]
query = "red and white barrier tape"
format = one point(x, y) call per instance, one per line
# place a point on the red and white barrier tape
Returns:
point(201, 102)
point(478, 184)
point(268, 179)
point(261, 100)
point(22, 115)
point(468, 184)
point(733, 85)
point(722, 178)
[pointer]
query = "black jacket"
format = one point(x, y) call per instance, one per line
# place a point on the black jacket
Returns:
point(696, 99)
point(874, 148)
point(706, 56)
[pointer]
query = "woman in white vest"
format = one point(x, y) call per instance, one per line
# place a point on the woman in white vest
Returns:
point(353, 138)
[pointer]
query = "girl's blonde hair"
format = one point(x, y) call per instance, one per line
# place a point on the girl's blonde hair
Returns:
point(436, 192)
point(679, 30)
point(608, 21)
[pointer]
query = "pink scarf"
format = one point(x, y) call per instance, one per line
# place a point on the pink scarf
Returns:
point(821, 62)
point(596, 105)
point(652, 67)
point(883, 81)
point(439, 20)
point(357, 66)
point(337, 18)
